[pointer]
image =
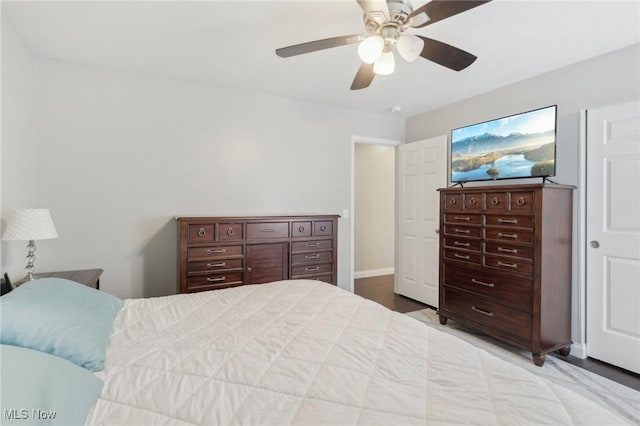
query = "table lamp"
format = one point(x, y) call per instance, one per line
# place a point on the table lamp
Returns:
point(30, 225)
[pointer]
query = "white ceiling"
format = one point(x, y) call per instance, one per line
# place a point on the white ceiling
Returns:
point(232, 43)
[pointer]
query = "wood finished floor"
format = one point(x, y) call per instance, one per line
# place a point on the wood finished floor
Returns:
point(380, 290)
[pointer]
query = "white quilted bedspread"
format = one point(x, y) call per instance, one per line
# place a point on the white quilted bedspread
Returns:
point(307, 353)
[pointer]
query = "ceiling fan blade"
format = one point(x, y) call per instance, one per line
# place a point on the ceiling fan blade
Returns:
point(375, 9)
point(437, 10)
point(446, 55)
point(363, 77)
point(313, 46)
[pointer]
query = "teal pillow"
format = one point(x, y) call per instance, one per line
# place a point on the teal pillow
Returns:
point(60, 317)
point(41, 389)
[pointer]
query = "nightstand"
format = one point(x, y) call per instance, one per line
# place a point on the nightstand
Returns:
point(88, 277)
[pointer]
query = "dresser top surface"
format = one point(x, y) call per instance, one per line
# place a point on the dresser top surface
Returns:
point(256, 217)
point(496, 188)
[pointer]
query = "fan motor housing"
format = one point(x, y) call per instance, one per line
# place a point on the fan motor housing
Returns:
point(399, 11)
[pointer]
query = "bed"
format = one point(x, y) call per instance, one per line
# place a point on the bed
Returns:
point(305, 353)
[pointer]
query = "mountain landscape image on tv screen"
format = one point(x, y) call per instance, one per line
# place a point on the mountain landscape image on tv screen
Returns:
point(518, 146)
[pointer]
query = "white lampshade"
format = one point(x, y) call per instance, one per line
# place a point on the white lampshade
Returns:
point(409, 47)
point(370, 49)
point(30, 224)
point(385, 64)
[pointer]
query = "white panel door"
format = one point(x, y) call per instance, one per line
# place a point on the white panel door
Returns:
point(613, 235)
point(422, 169)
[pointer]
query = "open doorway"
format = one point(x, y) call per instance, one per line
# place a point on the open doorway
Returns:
point(373, 207)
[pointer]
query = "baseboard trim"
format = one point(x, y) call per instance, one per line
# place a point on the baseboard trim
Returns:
point(579, 350)
point(373, 273)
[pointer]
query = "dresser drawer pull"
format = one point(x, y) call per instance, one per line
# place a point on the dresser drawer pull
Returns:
point(465, 218)
point(473, 280)
point(462, 231)
point(452, 201)
point(323, 228)
point(513, 236)
point(230, 232)
point(482, 311)
point(509, 265)
point(460, 256)
point(312, 245)
point(520, 201)
point(458, 243)
point(202, 232)
point(312, 269)
point(217, 265)
point(301, 229)
point(266, 230)
point(216, 280)
point(217, 251)
point(312, 256)
point(495, 201)
point(506, 250)
point(511, 221)
point(472, 201)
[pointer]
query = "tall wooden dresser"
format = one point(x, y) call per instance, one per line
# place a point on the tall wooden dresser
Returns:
point(505, 263)
point(219, 252)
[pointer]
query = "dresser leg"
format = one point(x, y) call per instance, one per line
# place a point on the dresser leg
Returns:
point(538, 359)
point(564, 351)
point(443, 320)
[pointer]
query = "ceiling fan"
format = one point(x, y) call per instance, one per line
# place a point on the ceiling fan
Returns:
point(385, 22)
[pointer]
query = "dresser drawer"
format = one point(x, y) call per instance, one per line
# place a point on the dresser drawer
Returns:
point(509, 221)
point(469, 219)
point(200, 233)
point(215, 265)
point(473, 202)
point(522, 201)
point(326, 278)
point(462, 243)
point(489, 314)
point(300, 229)
point(229, 232)
point(304, 246)
point(453, 202)
point(502, 249)
point(520, 266)
point(302, 271)
point(463, 256)
point(463, 231)
point(215, 252)
point(311, 258)
point(322, 228)
point(517, 291)
point(267, 230)
point(213, 281)
point(497, 201)
point(509, 235)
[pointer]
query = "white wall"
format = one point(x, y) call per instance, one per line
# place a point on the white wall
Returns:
point(120, 154)
point(604, 80)
point(17, 145)
point(374, 222)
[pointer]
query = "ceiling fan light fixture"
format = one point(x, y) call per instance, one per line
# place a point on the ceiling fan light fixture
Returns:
point(385, 64)
point(409, 47)
point(370, 49)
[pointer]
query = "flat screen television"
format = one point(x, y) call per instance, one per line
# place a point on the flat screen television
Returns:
point(518, 146)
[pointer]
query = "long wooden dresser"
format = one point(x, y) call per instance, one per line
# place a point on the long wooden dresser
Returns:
point(219, 252)
point(505, 263)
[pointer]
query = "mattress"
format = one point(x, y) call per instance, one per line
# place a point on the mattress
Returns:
point(307, 353)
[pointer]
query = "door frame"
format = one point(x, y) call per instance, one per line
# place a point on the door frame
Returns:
point(579, 349)
point(351, 214)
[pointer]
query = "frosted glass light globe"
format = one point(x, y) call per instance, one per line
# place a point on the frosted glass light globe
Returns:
point(370, 49)
point(409, 47)
point(385, 64)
